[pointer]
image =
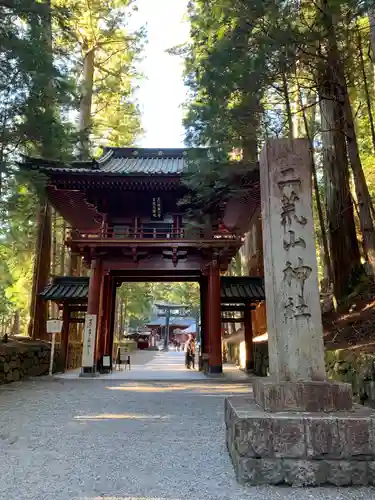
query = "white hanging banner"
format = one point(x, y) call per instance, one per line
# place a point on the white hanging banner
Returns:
point(89, 338)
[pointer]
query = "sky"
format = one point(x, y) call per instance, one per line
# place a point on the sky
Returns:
point(162, 90)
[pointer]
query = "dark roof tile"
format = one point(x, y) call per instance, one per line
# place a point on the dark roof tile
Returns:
point(67, 288)
point(241, 289)
point(233, 290)
point(122, 162)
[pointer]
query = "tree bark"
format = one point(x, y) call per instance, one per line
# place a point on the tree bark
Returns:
point(42, 262)
point(365, 206)
point(85, 121)
point(288, 107)
point(371, 18)
point(38, 307)
point(324, 241)
point(343, 242)
point(344, 249)
point(366, 87)
point(16, 323)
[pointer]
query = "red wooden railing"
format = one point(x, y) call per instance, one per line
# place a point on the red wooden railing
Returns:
point(149, 232)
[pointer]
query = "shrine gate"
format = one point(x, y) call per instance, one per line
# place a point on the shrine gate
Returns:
point(127, 224)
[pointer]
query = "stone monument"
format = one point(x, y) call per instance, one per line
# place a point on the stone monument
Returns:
point(299, 428)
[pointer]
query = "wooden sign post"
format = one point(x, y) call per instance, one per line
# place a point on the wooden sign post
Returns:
point(53, 326)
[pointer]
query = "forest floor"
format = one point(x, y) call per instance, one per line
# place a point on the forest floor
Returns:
point(354, 326)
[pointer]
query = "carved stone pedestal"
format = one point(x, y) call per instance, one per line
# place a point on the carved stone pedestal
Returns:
point(309, 396)
point(300, 448)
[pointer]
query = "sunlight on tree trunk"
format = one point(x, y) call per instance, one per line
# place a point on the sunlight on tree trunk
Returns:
point(85, 120)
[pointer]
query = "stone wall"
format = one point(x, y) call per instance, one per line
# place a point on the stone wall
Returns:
point(356, 368)
point(343, 365)
point(21, 359)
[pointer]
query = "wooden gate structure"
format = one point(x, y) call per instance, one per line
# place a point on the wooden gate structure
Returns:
point(128, 225)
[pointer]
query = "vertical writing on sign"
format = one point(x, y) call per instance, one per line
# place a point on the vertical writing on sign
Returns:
point(89, 338)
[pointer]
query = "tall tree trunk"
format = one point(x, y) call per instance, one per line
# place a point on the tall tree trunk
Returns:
point(288, 107)
point(365, 206)
point(3, 325)
point(343, 242)
point(366, 87)
point(54, 310)
point(121, 319)
point(298, 123)
point(371, 18)
point(87, 86)
point(16, 323)
point(309, 134)
point(85, 123)
point(249, 125)
point(41, 274)
point(42, 262)
point(344, 249)
point(2, 166)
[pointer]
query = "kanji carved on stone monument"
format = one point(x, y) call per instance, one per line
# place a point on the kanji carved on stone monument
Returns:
point(288, 214)
point(293, 241)
point(299, 274)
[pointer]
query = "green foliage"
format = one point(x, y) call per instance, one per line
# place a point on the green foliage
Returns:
point(137, 299)
point(211, 178)
point(254, 70)
point(184, 293)
point(42, 45)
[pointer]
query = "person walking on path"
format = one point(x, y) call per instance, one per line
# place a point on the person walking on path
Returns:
point(190, 353)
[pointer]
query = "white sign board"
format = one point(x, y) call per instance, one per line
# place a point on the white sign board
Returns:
point(107, 361)
point(89, 338)
point(54, 325)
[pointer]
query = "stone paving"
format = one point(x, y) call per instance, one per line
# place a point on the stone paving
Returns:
point(150, 365)
point(155, 366)
point(78, 439)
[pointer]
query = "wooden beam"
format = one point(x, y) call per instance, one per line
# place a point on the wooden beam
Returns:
point(232, 320)
point(76, 320)
point(82, 308)
point(97, 242)
point(236, 307)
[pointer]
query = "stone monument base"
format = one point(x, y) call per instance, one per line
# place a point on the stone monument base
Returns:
point(302, 396)
point(300, 448)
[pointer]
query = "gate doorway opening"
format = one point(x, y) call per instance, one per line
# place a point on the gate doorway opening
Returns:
point(157, 315)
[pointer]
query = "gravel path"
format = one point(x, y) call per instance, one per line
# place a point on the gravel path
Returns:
point(97, 439)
